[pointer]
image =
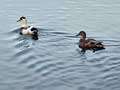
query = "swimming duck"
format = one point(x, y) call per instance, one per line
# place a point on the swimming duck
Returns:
point(28, 30)
point(89, 44)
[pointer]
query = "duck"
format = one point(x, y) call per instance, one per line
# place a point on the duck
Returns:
point(27, 30)
point(89, 44)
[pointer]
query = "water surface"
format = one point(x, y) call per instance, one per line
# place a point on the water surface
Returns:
point(55, 62)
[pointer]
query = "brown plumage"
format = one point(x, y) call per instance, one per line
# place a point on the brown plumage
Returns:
point(89, 44)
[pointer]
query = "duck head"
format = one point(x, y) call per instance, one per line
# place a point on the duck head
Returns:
point(23, 22)
point(82, 35)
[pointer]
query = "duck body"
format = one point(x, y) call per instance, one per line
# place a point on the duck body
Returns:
point(89, 44)
point(28, 30)
point(32, 31)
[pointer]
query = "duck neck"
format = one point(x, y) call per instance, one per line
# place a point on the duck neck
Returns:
point(24, 23)
point(82, 38)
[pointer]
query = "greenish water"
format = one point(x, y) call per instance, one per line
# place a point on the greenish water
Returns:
point(55, 62)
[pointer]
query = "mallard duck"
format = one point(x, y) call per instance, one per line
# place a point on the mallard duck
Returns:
point(27, 30)
point(89, 44)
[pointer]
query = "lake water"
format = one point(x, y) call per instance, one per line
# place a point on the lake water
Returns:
point(55, 62)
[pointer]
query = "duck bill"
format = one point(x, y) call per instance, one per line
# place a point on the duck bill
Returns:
point(77, 35)
point(18, 20)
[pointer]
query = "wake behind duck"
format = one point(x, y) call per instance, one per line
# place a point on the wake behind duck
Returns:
point(27, 30)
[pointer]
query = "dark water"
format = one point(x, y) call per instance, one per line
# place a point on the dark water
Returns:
point(55, 62)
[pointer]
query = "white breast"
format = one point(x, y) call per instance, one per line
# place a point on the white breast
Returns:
point(27, 31)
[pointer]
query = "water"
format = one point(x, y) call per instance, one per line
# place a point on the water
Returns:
point(55, 62)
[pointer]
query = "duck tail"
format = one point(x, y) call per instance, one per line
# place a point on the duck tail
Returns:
point(100, 46)
point(35, 36)
point(35, 33)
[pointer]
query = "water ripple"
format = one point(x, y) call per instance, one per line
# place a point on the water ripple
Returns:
point(55, 61)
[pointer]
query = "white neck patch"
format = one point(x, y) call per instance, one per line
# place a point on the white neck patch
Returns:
point(24, 23)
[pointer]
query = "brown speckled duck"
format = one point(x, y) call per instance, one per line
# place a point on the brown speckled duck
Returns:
point(89, 44)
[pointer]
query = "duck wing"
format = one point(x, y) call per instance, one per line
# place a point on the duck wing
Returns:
point(93, 41)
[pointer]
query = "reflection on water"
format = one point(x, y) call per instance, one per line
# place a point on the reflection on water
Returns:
point(55, 62)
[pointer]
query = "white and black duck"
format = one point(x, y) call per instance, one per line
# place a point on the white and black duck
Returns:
point(27, 30)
